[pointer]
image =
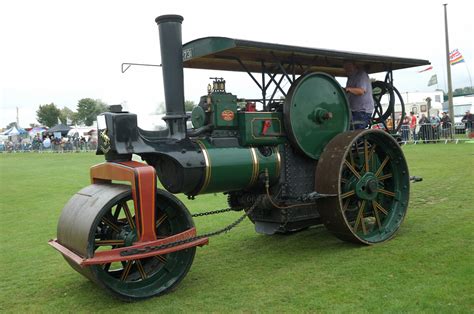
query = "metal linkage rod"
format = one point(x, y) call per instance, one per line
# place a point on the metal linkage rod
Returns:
point(127, 65)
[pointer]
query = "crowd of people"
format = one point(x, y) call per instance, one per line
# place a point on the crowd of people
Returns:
point(432, 128)
point(41, 143)
point(424, 128)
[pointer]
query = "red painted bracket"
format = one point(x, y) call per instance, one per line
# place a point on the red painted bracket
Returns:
point(143, 181)
point(142, 178)
point(104, 257)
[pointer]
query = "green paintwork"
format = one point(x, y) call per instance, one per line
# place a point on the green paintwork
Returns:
point(218, 53)
point(198, 117)
point(366, 186)
point(206, 46)
point(224, 102)
point(251, 125)
point(309, 99)
point(233, 168)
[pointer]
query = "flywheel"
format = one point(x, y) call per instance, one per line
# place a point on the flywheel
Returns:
point(315, 110)
point(368, 174)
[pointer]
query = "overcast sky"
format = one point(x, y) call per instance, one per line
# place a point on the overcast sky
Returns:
point(62, 51)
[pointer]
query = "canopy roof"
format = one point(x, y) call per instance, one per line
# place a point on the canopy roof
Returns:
point(14, 131)
point(221, 53)
point(59, 128)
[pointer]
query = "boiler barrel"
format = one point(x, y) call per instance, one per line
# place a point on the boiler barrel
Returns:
point(221, 169)
point(237, 168)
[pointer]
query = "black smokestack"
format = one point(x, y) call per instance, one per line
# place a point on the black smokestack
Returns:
point(172, 65)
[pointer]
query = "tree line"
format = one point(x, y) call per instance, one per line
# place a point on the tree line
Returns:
point(86, 112)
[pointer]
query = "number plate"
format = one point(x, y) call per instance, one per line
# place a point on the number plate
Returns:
point(187, 54)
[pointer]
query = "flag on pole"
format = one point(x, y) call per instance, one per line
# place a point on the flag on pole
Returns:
point(433, 80)
point(455, 57)
point(427, 69)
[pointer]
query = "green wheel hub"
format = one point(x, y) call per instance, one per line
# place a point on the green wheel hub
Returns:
point(367, 171)
point(367, 187)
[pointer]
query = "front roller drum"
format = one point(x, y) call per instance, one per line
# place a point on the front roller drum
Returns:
point(102, 217)
point(368, 175)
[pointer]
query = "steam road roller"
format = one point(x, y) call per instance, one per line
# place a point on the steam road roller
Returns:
point(288, 159)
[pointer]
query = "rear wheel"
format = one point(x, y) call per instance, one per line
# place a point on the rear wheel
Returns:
point(368, 174)
point(102, 217)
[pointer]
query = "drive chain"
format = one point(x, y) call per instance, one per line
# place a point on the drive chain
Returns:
point(227, 228)
point(212, 212)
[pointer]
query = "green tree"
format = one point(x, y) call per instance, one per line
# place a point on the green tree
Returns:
point(160, 109)
point(463, 91)
point(48, 114)
point(88, 109)
point(189, 105)
point(68, 114)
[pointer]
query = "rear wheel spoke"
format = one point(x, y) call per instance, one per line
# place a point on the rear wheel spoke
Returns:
point(360, 218)
point(351, 158)
point(352, 169)
point(346, 204)
point(347, 194)
point(389, 193)
point(371, 156)
point(366, 155)
point(379, 171)
point(385, 176)
point(376, 214)
point(379, 207)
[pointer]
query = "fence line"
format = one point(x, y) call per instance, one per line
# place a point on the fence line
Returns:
point(68, 147)
point(434, 133)
point(423, 133)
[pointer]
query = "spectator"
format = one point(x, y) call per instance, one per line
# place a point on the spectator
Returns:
point(413, 125)
point(36, 144)
point(405, 128)
point(83, 143)
point(434, 121)
point(468, 120)
point(425, 128)
point(47, 143)
point(446, 126)
point(389, 123)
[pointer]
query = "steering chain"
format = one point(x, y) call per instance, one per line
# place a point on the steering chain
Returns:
point(227, 228)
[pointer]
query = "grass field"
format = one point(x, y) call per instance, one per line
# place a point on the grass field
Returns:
point(428, 266)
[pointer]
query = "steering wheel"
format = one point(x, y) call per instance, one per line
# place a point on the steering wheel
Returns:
point(380, 115)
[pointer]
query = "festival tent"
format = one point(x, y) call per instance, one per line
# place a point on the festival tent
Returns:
point(79, 131)
point(36, 130)
point(60, 128)
point(14, 131)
